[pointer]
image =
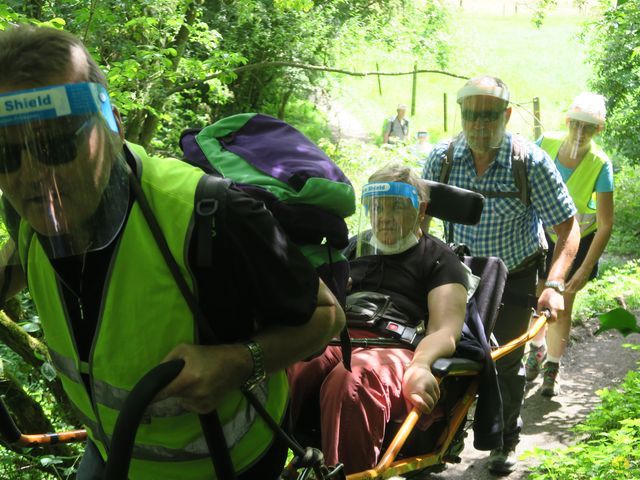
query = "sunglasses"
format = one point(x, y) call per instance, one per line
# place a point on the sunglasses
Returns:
point(588, 128)
point(482, 115)
point(48, 149)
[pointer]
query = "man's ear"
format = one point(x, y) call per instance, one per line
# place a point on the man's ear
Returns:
point(116, 114)
point(507, 115)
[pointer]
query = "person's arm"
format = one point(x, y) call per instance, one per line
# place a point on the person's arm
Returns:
point(447, 307)
point(604, 218)
point(568, 233)
point(210, 372)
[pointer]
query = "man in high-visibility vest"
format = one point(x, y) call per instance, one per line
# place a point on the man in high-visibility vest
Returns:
point(110, 307)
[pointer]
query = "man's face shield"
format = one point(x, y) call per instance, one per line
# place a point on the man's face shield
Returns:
point(484, 116)
point(61, 167)
point(582, 128)
point(389, 221)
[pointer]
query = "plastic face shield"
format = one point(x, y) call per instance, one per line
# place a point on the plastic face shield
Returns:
point(62, 168)
point(483, 116)
point(582, 128)
point(389, 221)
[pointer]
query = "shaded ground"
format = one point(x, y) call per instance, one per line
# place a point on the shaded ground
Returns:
point(591, 363)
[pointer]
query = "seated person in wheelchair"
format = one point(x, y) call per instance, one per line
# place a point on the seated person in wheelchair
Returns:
point(424, 286)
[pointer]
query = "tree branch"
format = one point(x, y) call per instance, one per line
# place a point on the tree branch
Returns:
point(319, 68)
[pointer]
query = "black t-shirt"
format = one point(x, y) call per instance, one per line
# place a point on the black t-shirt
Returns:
point(258, 278)
point(408, 277)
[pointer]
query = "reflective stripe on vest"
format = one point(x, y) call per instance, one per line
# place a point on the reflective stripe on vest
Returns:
point(581, 183)
point(134, 334)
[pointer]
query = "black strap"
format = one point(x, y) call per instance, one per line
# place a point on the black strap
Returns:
point(210, 199)
point(211, 425)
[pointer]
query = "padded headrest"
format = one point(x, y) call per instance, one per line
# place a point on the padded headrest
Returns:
point(454, 204)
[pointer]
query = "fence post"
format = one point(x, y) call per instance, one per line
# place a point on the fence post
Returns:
point(379, 82)
point(444, 106)
point(537, 125)
point(414, 88)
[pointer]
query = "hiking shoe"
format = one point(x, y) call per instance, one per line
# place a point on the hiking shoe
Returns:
point(550, 386)
point(502, 461)
point(535, 359)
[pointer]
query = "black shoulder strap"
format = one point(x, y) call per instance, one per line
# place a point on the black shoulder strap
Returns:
point(519, 166)
point(210, 200)
point(447, 164)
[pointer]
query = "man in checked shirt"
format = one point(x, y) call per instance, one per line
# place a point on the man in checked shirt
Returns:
point(484, 158)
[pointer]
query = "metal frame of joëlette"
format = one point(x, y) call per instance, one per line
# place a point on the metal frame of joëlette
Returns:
point(387, 468)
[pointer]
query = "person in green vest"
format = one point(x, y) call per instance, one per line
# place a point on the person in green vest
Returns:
point(588, 173)
point(111, 309)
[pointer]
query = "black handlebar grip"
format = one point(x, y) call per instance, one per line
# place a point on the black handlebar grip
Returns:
point(124, 433)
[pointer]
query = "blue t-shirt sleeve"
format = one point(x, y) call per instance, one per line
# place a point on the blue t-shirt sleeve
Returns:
point(604, 183)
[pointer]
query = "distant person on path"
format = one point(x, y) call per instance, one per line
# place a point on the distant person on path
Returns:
point(588, 173)
point(396, 129)
point(487, 159)
point(422, 148)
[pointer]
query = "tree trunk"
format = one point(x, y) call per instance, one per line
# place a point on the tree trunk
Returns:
point(34, 353)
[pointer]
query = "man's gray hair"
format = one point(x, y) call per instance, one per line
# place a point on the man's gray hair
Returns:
point(31, 55)
point(397, 172)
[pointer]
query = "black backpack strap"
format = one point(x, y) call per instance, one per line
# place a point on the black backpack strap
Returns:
point(210, 201)
point(447, 164)
point(519, 167)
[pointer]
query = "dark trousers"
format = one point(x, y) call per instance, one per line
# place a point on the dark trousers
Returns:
point(513, 321)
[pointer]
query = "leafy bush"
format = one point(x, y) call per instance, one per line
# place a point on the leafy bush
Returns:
point(615, 44)
point(610, 449)
point(626, 229)
point(600, 295)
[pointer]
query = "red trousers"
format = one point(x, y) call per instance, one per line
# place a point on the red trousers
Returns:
point(354, 406)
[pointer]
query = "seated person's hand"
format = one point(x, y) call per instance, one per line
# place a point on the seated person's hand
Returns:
point(420, 388)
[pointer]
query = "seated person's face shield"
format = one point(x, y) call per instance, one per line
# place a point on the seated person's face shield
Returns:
point(390, 219)
point(583, 126)
point(62, 169)
point(484, 114)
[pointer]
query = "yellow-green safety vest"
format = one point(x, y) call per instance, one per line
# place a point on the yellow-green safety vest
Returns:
point(581, 183)
point(142, 317)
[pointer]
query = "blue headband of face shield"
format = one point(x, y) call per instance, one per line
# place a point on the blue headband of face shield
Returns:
point(391, 189)
point(45, 103)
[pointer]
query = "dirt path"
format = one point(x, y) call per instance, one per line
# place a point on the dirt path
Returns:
point(591, 363)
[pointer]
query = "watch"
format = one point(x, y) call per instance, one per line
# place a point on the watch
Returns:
point(558, 286)
point(259, 374)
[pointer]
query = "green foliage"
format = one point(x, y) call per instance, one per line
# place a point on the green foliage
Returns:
point(614, 41)
point(619, 319)
point(626, 228)
point(610, 449)
point(600, 295)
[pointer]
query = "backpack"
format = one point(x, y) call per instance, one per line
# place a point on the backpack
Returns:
point(519, 155)
point(304, 189)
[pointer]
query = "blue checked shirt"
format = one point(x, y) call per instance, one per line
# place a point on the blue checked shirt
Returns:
point(507, 229)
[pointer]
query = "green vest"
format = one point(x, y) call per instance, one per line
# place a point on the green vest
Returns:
point(581, 183)
point(143, 316)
